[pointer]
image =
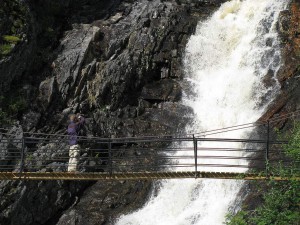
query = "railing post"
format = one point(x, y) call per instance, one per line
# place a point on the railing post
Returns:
point(267, 150)
point(110, 158)
point(22, 155)
point(195, 154)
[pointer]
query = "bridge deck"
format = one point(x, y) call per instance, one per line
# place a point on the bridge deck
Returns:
point(162, 155)
point(135, 176)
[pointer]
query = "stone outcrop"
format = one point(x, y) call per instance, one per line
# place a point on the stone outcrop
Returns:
point(106, 200)
point(37, 202)
point(117, 62)
point(73, 51)
point(288, 99)
point(288, 27)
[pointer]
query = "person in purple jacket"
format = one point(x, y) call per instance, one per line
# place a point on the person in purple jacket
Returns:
point(76, 123)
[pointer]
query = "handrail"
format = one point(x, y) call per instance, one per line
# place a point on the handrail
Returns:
point(206, 133)
point(36, 153)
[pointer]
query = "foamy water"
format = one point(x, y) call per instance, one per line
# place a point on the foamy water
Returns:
point(225, 63)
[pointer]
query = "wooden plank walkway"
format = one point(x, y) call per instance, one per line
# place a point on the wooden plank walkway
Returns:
point(136, 176)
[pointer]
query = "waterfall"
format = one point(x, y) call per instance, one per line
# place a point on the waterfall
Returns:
point(226, 61)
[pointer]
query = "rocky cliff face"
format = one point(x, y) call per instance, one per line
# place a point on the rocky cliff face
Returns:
point(288, 76)
point(119, 63)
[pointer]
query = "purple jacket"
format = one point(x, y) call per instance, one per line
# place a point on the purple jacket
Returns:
point(73, 130)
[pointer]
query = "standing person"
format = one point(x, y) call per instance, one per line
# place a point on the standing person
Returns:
point(76, 123)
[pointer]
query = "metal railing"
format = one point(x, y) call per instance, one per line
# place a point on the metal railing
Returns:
point(39, 154)
point(44, 156)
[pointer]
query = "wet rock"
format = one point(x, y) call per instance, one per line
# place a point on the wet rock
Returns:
point(164, 73)
point(167, 114)
point(275, 107)
point(72, 218)
point(164, 90)
point(269, 79)
point(116, 18)
point(136, 49)
point(30, 120)
point(289, 26)
point(107, 206)
point(46, 92)
point(73, 51)
point(284, 22)
point(41, 199)
point(86, 72)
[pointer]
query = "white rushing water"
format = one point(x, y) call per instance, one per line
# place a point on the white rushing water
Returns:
point(226, 61)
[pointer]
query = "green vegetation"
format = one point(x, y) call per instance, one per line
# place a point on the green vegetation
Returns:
point(13, 24)
point(9, 43)
point(11, 39)
point(293, 148)
point(10, 108)
point(280, 207)
point(238, 219)
point(5, 49)
point(281, 200)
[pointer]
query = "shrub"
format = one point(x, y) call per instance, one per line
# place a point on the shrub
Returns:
point(5, 49)
point(281, 203)
point(11, 107)
point(237, 219)
point(292, 149)
point(11, 39)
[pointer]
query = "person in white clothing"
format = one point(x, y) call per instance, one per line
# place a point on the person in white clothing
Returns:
point(76, 123)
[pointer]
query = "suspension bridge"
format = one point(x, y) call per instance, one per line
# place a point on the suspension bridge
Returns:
point(39, 156)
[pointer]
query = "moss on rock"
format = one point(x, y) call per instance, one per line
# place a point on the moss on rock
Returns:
point(13, 24)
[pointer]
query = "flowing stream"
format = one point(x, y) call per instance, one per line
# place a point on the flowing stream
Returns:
point(226, 62)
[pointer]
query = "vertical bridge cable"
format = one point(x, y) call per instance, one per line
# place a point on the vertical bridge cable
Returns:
point(267, 150)
point(22, 155)
point(110, 158)
point(195, 154)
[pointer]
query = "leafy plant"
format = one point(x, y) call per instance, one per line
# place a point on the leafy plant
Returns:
point(281, 203)
point(5, 49)
point(9, 43)
point(237, 219)
point(292, 149)
point(11, 107)
point(11, 39)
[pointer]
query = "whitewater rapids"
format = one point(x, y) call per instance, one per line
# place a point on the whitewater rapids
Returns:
point(225, 63)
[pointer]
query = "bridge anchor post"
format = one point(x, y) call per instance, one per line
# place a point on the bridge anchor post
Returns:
point(110, 158)
point(267, 165)
point(22, 157)
point(195, 154)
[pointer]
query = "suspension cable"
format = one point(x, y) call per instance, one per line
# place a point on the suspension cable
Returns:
point(3, 131)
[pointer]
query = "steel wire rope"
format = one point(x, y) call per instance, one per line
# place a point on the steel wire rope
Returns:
point(248, 125)
point(204, 133)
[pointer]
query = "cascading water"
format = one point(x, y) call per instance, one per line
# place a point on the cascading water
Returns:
point(226, 61)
